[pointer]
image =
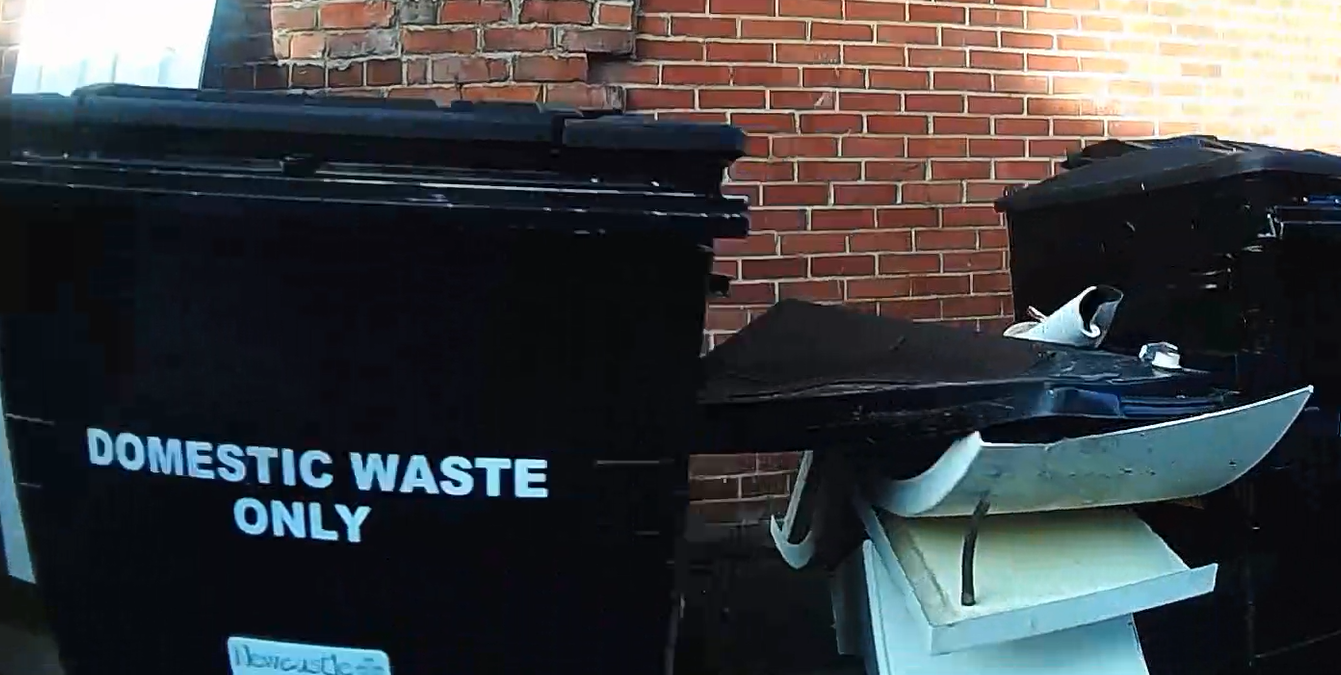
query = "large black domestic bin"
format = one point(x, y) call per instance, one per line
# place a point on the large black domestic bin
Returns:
point(1230, 251)
point(224, 313)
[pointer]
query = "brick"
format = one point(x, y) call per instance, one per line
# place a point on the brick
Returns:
point(814, 242)
point(869, 101)
point(962, 37)
point(467, 69)
point(983, 191)
point(1020, 127)
point(615, 14)
point(1130, 128)
point(953, 103)
point(272, 76)
point(762, 171)
point(995, 105)
point(782, 29)
point(997, 237)
point(852, 78)
point(856, 195)
point(909, 263)
point(765, 76)
point(597, 40)
point(1051, 62)
point(1081, 43)
point(802, 100)
point(1020, 84)
point(876, 10)
point(795, 195)
point(939, 14)
point(916, 308)
point(622, 72)
point(695, 74)
point(555, 11)
point(901, 80)
point(962, 81)
point(857, 146)
point(537, 68)
point(819, 9)
point(585, 96)
point(726, 318)
point(697, 26)
point(721, 465)
point(931, 193)
point(773, 268)
point(732, 98)
point(669, 51)
point(756, 244)
point(809, 53)
point(937, 58)
point(907, 35)
point(875, 55)
point(842, 265)
point(518, 39)
point(881, 242)
point(976, 261)
point(941, 240)
point(953, 170)
point(1102, 65)
point(896, 124)
point(979, 58)
point(828, 171)
point(848, 32)
point(1077, 85)
point(654, 99)
point(814, 291)
point(995, 147)
point(359, 14)
point(1051, 21)
point(473, 11)
point(941, 285)
point(307, 45)
point(805, 146)
point(744, 7)
point(765, 122)
point(307, 76)
point(440, 41)
point(739, 51)
point(991, 282)
point(384, 72)
point(1013, 40)
point(996, 17)
point(281, 18)
point(842, 219)
point(978, 305)
point(895, 170)
point(878, 289)
point(907, 216)
point(365, 43)
point(937, 147)
point(778, 219)
point(1058, 147)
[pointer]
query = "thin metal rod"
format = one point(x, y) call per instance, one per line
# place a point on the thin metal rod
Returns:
point(967, 596)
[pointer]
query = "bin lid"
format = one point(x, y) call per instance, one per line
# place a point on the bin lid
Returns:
point(568, 160)
point(1116, 167)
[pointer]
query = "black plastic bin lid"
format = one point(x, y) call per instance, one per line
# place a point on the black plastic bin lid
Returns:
point(582, 163)
point(1115, 168)
point(357, 129)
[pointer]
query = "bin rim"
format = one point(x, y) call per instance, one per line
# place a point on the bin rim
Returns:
point(1117, 168)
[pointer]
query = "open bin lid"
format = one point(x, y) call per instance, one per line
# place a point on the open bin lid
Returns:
point(1115, 168)
point(580, 161)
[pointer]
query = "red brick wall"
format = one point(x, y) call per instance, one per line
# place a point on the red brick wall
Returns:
point(880, 131)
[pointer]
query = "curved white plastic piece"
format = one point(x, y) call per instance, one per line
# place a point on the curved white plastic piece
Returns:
point(795, 555)
point(1176, 459)
point(1082, 322)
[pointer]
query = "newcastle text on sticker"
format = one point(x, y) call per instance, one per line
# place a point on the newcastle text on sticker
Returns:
point(451, 476)
point(250, 656)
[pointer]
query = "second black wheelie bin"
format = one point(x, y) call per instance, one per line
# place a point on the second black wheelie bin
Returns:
point(1228, 250)
point(315, 385)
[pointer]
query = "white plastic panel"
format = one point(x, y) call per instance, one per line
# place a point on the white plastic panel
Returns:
point(65, 44)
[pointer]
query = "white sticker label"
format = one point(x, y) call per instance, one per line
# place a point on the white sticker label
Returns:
point(250, 656)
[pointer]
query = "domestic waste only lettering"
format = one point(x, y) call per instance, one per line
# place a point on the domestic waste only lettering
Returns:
point(410, 474)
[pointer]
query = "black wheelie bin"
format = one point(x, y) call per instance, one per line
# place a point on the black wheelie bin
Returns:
point(1228, 250)
point(337, 387)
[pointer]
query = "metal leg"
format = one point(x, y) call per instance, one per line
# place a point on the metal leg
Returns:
point(967, 597)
